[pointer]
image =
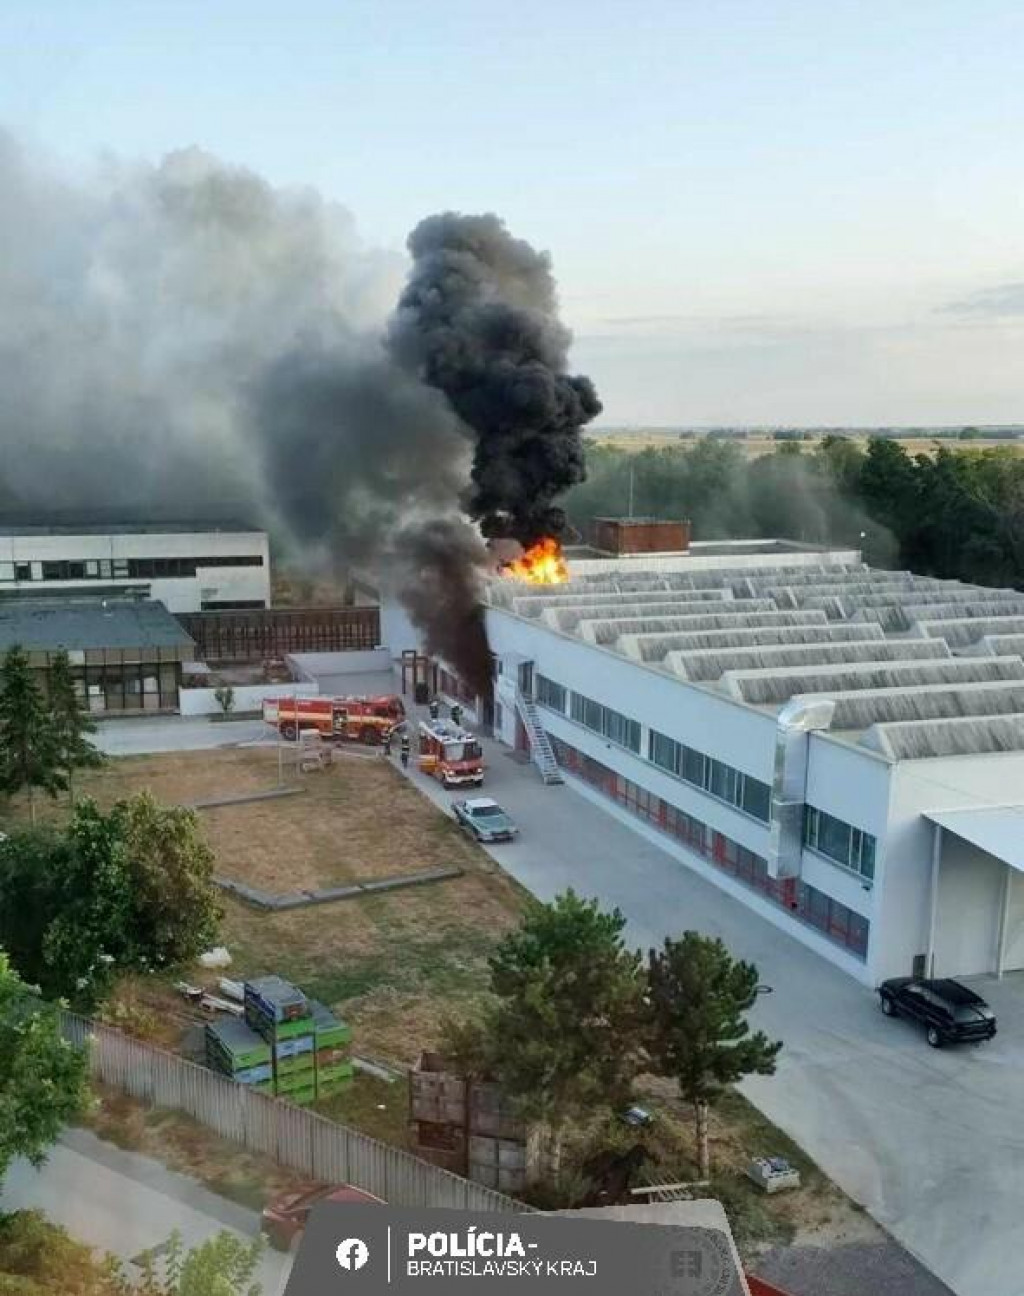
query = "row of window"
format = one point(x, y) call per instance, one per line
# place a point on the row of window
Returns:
point(610, 724)
point(833, 919)
point(713, 776)
point(603, 720)
point(851, 847)
point(123, 568)
point(838, 841)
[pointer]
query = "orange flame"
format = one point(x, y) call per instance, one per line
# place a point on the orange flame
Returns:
point(542, 564)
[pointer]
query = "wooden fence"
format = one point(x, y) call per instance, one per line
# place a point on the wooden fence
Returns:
point(318, 1148)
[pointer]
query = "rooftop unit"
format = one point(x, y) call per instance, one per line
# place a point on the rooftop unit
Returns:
point(640, 536)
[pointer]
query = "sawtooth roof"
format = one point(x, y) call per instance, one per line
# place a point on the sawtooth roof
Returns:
point(917, 667)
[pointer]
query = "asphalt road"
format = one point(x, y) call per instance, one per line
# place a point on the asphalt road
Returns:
point(930, 1142)
point(126, 1204)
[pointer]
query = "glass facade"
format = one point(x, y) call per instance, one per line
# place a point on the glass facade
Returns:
point(612, 725)
point(831, 918)
point(713, 776)
point(550, 694)
point(840, 842)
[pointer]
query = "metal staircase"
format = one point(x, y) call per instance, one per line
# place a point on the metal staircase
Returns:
point(540, 749)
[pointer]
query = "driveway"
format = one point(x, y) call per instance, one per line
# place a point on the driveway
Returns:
point(126, 1204)
point(931, 1142)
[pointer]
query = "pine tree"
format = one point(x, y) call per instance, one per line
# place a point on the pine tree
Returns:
point(28, 748)
point(698, 995)
point(71, 724)
point(562, 1032)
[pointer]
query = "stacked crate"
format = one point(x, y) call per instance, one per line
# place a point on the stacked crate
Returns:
point(235, 1050)
point(281, 1014)
point(469, 1127)
point(332, 1039)
point(437, 1111)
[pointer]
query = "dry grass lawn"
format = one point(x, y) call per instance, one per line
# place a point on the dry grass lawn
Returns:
point(393, 965)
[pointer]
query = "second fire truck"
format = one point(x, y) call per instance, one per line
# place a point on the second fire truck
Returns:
point(450, 754)
point(359, 719)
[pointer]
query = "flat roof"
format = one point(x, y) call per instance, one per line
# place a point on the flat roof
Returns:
point(77, 624)
point(997, 830)
point(127, 528)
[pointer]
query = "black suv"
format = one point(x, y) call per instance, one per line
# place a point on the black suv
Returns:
point(949, 1011)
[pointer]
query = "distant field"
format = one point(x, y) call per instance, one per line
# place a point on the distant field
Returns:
point(754, 446)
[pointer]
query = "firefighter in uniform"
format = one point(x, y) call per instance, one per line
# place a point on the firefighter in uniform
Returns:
point(434, 707)
point(387, 739)
point(456, 715)
point(404, 749)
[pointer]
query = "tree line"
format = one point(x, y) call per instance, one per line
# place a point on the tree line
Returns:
point(955, 513)
point(573, 1016)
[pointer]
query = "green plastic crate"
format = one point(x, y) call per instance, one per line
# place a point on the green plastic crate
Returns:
point(327, 1088)
point(240, 1047)
point(343, 1071)
point(294, 1080)
point(273, 1031)
point(330, 1031)
point(302, 1096)
point(302, 1062)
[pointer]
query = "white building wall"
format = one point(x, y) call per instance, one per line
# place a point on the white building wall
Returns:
point(179, 594)
point(1013, 953)
point(944, 783)
point(849, 784)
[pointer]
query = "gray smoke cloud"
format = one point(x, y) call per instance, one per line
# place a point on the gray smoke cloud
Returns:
point(184, 340)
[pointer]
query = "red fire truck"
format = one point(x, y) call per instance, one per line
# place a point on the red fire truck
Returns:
point(359, 719)
point(450, 754)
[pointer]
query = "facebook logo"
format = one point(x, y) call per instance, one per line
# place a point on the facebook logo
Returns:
point(353, 1253)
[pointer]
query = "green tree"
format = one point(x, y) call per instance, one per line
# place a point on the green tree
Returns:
point(33, 865)
point(29, 758)
point(91, 934)
point(562, 1032)
point(223, 1265)
point(176, 909)
point(698, 995)
point(131, 890)
point(43, 1081)
point(71, 725)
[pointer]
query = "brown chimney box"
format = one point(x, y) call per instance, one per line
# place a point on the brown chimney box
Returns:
point(640, 535)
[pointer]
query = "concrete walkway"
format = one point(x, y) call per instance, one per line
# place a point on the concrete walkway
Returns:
point(126, 1204)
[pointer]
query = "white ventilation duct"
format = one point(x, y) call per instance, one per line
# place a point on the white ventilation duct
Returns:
point(797, 720)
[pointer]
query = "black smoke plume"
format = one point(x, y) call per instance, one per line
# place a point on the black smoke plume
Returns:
point(185, 342)
point(478, 321)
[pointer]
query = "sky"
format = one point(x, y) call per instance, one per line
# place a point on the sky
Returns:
point(759, 213)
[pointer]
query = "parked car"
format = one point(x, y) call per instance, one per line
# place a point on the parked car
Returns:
point(485, 819)
point(949, 1012)
point(285, 1218)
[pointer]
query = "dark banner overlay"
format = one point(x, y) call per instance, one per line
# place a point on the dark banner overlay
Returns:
point(371, 1251)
